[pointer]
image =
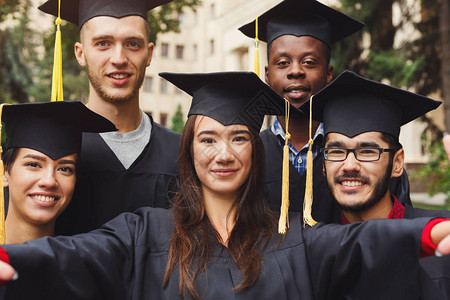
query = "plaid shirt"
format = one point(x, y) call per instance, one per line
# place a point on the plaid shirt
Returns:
point(298, 158)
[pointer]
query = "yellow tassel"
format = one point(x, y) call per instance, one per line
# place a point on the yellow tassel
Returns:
point(307, 202)
point(283, 222)
point(2, 197)
point(256, 68)
point(57, 83)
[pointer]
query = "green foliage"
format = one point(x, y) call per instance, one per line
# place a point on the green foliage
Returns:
point(16, 61)
point(177, 120)
point(394, 66)
point(414, 63)
point(437, 171)
point(9, 6)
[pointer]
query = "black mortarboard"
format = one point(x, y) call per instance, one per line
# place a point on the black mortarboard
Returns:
point(53, 128)
point(79, 11)
point(352, 104)
point(300, 18)
point(230, 97)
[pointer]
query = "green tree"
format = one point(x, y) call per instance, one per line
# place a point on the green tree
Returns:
point(9, 6)
point(17, 56)
point(177, 120)
point(436, 173)
point(416, 63)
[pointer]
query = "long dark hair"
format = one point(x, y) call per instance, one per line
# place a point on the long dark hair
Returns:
point(195, 239)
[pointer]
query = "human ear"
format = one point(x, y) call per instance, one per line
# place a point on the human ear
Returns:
point(398, 163)
point(79, 54)
point(330, 74)
point(5, 179)
point(150, 53)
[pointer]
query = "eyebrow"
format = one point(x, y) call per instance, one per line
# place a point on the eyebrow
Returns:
point(369, 144)
point(206, 132)
point(36, 157)
point(43, 159)
point(234, 132)
point(67, 161)
point(108, 36)
point(240, 132)
point(358, 145)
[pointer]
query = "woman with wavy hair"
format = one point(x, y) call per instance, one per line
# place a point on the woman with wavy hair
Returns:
point(219, 240)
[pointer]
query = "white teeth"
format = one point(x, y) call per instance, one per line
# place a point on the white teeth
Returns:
point(118, 76)
point(44, 198)
point(352, 183)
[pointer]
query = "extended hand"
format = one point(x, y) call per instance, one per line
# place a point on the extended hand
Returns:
point(440, 236)
point(6, 271)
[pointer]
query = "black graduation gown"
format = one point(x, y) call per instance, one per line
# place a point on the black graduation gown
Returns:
point(437, 268)
point(126, 259)
point(105, 188)
point(324, 208)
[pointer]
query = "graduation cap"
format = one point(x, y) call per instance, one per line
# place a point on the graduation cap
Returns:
point(79, 11)
point(230, 97)
point(352, 105)
point(53, 128)
point(300, 18)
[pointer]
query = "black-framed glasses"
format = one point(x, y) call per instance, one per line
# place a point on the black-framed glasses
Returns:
point(361, 154)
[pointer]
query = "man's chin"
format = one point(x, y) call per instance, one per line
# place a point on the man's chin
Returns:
point(296, 104)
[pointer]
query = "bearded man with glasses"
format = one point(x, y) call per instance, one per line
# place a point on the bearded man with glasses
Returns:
point(362, 120)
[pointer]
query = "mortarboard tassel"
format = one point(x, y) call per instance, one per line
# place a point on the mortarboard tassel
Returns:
point(283, 223)
point(57, 83)
point(2, 197)
point(256, 67)
point(307, 202)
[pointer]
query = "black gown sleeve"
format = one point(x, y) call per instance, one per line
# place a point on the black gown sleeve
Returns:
point(94, 265)
point(376, 259)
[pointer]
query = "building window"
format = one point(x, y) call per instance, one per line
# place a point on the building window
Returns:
point(195, 17)
point(163, 119)
point(211, 47)
point(180, 18)
point(194, 52)
point(164, 87)
point(164, 50)
point(212, 11)
point(148, 84)
point(180, 51)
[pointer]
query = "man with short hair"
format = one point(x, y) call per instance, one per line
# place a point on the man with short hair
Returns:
point(299, 35)
point(362, 120)
point(136, 166)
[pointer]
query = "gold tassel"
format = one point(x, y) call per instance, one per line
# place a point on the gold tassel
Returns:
point(283, 222)
point(256, 67)
point(2, 197)
point(307, 202)
point(57, 83)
